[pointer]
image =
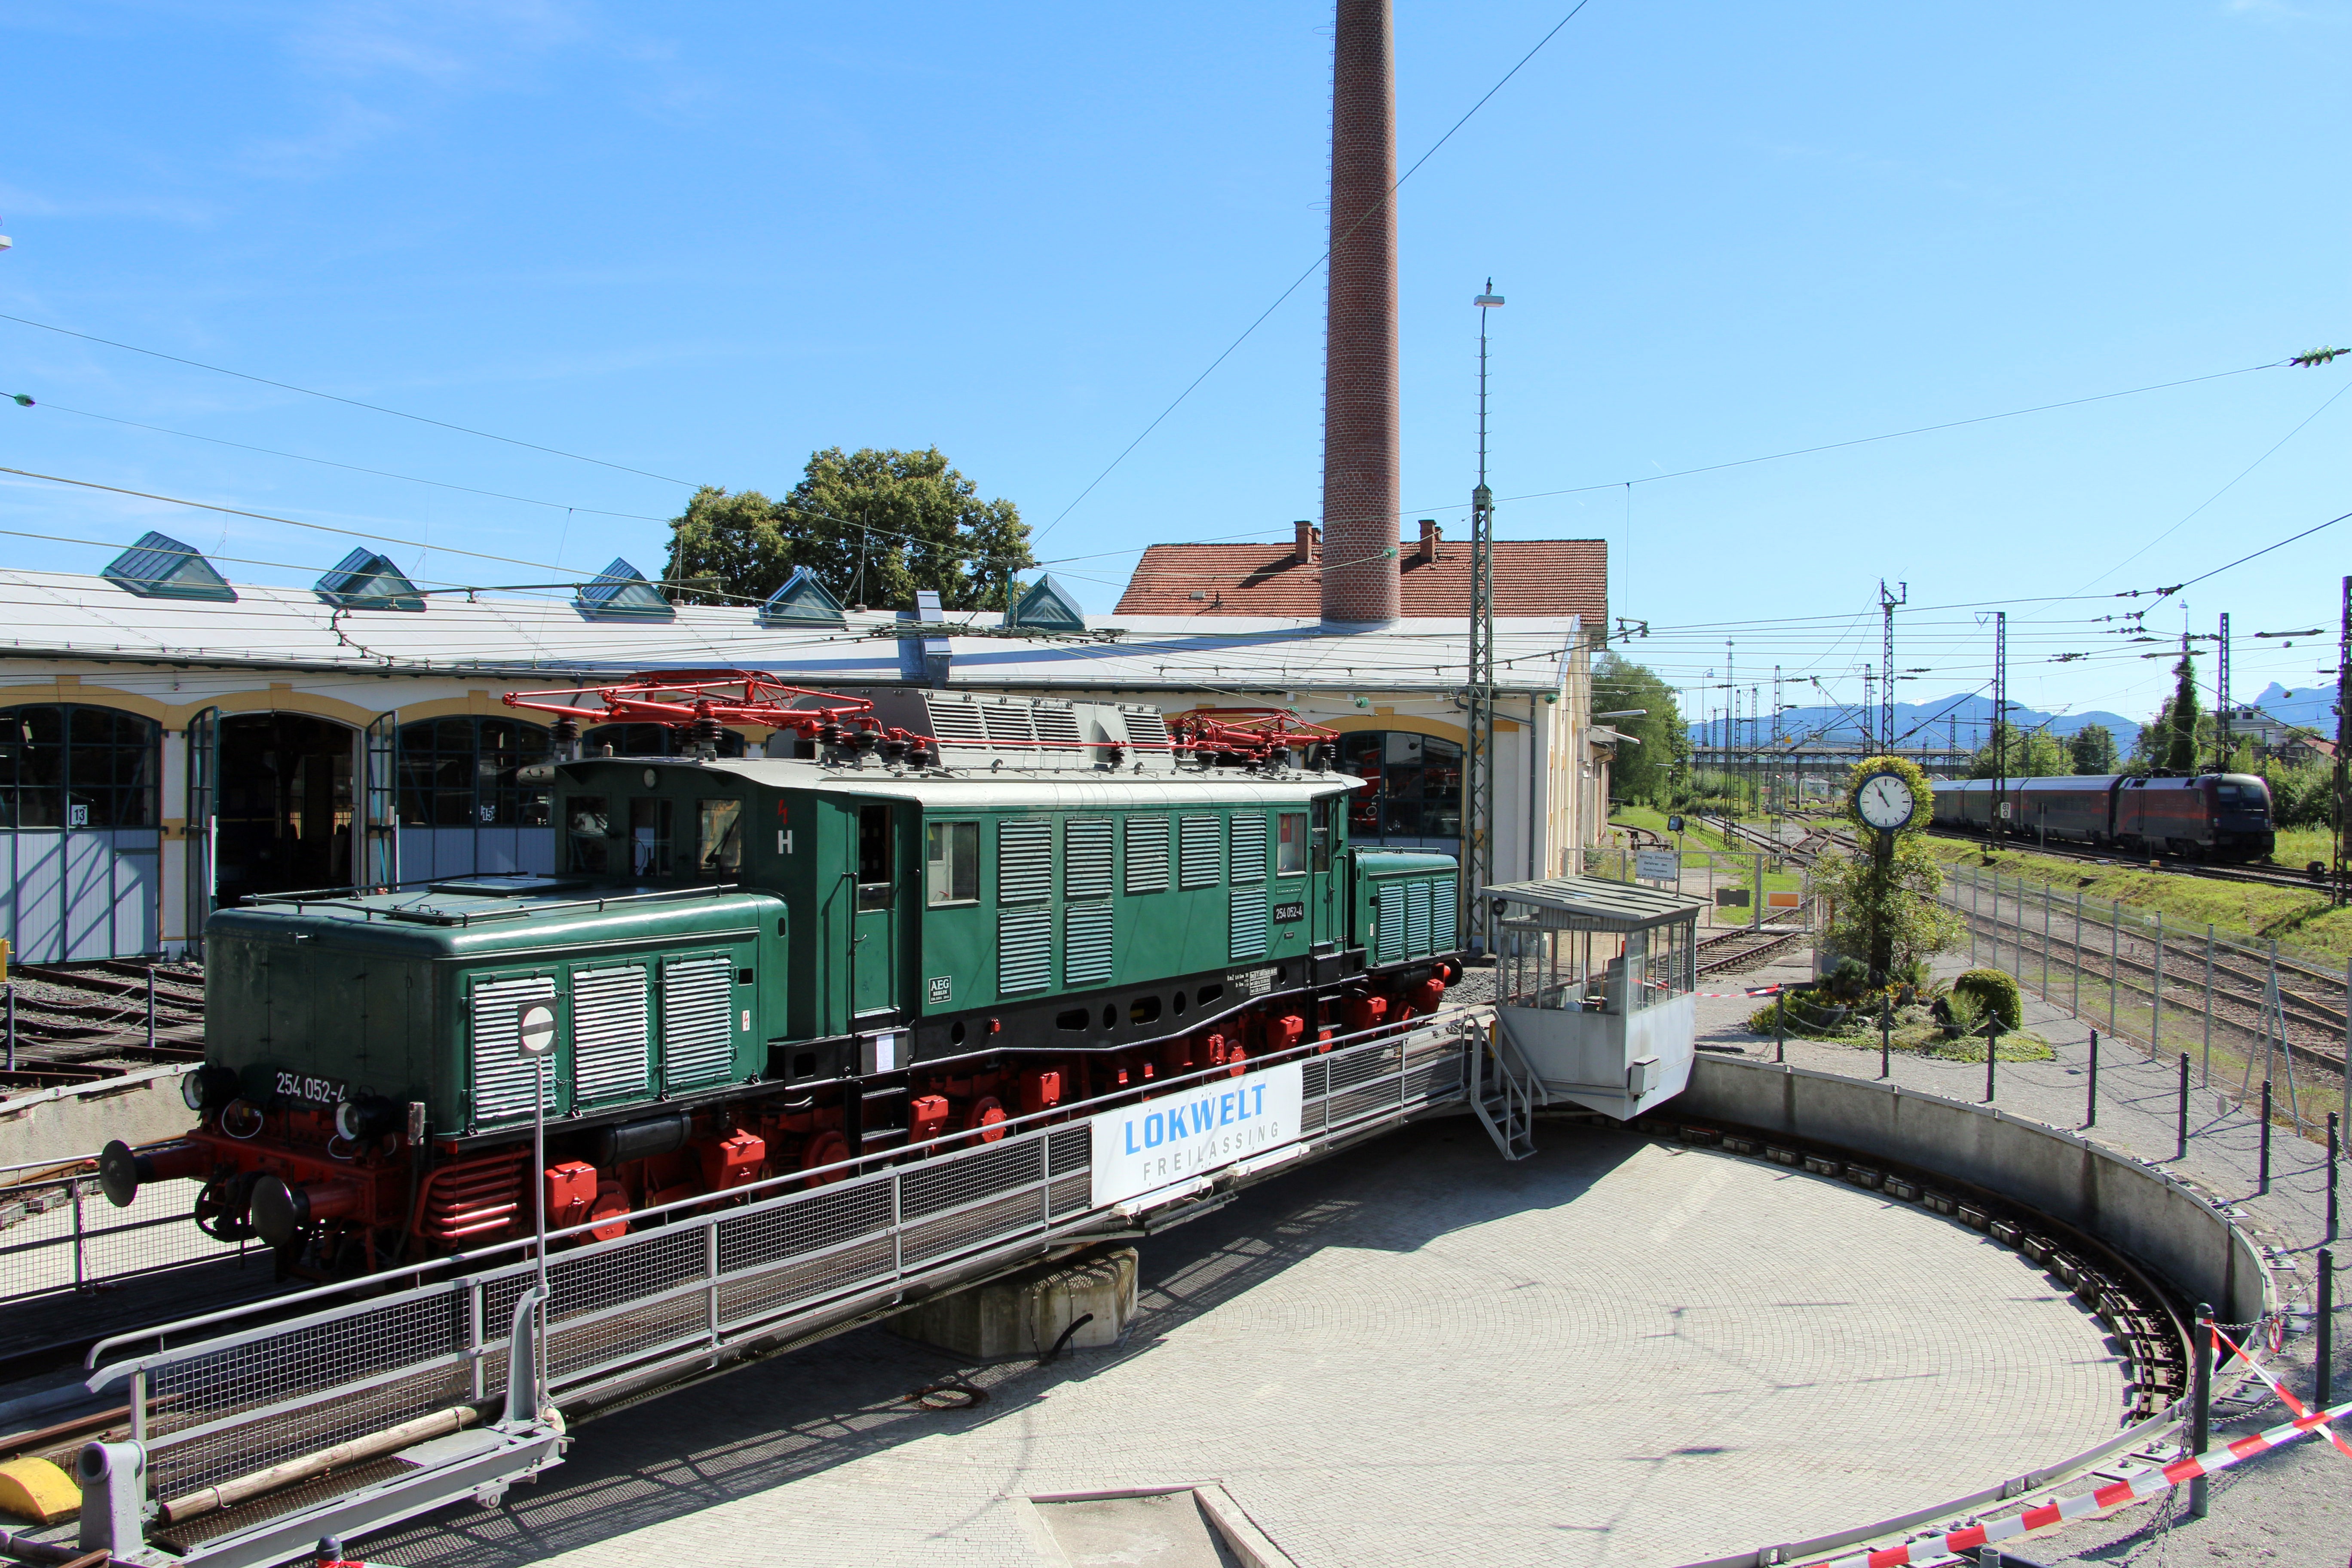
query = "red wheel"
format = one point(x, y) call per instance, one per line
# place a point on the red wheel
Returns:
point(825, 1149)
point(987, 1119)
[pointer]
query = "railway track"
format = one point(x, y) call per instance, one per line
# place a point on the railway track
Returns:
point(2241, 1012)
point(78, 1024)
point(1738, 949)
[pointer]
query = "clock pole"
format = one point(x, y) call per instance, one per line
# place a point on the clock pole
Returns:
point(1881, 941)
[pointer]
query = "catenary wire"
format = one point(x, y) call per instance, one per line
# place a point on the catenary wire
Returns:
point(351, 402)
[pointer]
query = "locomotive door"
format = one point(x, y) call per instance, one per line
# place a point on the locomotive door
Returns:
point(1327, 900)
point(874, 924)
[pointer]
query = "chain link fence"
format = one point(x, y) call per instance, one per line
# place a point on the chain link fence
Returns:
point(2246, 1010)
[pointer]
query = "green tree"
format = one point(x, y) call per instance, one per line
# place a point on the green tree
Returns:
point(1647, 771)
point(2180, 745)
point(874, 526)
point(2023, 754)
point(2094, 750)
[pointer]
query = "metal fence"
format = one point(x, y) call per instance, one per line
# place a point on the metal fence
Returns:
point(690, 1282)
point(1740, 888)
point(58, 1234)
point(2247, 1011)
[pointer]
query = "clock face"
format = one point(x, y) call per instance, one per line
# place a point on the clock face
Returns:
point(1885, 801)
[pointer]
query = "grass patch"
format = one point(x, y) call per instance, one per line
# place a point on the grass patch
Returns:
point(1698, 841)
point(2289, 914)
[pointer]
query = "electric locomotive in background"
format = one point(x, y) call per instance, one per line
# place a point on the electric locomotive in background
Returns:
point(921, 914)
point(2221, 816)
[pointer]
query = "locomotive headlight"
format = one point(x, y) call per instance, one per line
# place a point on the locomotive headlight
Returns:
point(208, 1086)
point(369, 1116)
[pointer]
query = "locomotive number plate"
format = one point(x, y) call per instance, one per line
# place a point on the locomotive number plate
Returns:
point(306, 1090)
point(1285, 913)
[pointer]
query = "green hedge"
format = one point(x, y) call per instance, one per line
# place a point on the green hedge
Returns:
point(1994, 992)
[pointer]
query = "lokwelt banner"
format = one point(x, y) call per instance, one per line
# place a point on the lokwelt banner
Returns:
point(1140, 1148)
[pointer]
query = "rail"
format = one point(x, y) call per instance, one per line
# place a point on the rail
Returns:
point(695, 1284)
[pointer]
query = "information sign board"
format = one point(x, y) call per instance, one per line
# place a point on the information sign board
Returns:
point(1657, 866)
point(1140, 1148)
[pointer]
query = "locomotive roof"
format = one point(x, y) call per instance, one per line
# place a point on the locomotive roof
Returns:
point(974, 789)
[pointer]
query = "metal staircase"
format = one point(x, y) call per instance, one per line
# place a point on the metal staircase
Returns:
point(1504, 1093)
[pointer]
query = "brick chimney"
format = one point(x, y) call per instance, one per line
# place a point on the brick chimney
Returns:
point(1429, 538)
point(1309, 536)
point(1363, 490)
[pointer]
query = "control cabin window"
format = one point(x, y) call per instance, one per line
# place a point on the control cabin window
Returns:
point(951, 862)
point(589, 826)
point(1290, 843)
point(718, 838)
point(649, 836)
point(874, 856)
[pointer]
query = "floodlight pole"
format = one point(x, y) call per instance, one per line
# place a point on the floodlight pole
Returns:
point(1480, 786)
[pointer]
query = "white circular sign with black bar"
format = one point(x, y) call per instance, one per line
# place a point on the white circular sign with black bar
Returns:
point(536, 1029)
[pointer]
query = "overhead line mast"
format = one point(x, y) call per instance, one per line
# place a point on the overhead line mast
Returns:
point(1480, 871)
point(1887, 604)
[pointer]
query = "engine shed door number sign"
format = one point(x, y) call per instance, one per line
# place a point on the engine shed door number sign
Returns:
point(302, 1090)
point(1142, 1148)
point(1285, 913)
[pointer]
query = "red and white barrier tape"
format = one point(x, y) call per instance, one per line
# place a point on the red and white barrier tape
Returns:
point(2152, 1483)
point(2294, 1406)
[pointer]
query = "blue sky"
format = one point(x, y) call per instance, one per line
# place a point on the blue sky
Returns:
point(700, 242)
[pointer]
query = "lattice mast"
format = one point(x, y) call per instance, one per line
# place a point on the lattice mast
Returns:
point(1478, 871)
point(1887, 604)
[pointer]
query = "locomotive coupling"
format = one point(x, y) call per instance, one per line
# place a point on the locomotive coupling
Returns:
point(279, 1212)
point(122, 1169)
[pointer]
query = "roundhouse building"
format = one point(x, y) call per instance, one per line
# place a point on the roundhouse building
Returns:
point(170, 742)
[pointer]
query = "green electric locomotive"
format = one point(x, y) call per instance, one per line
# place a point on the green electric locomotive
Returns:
point(920, 915)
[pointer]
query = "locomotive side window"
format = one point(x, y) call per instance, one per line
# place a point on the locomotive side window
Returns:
point(1290, 843)
point(951, 862)
point(874, 856)
point(718, 838)
point(649, 836)
point(589, 826)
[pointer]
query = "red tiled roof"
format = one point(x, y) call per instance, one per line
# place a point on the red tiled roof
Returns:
point(1559, 577)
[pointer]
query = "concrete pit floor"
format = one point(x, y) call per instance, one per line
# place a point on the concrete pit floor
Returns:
point(1618, 1351)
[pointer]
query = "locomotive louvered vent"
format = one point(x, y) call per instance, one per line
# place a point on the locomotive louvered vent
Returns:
point(1086, 859)
point(1146, 854)
point(697, 1034)
point(1024, 950)
point(1442, 900)
point(1249, 848)
point(1147, 730)
point(1086, 944)
point(1008, 725)
point(1388, 943)
point(502, 1074)
point(1025, 861)
point(955, 723)
point(1199, 843)
point(1057, 727)
point(1416, 918)
point(1248, 938)
point(608, 1031)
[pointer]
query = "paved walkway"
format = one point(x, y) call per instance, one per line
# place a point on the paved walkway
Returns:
point(1618, 1353)
point(2295, 1505)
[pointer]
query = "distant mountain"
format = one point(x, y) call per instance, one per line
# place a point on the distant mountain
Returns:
point(2313, 706)
point(1965, 718)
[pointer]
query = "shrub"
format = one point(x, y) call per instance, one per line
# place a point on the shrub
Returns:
point(1994, 995)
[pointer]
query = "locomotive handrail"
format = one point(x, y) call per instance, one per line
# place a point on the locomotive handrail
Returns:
point(734, 1197)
